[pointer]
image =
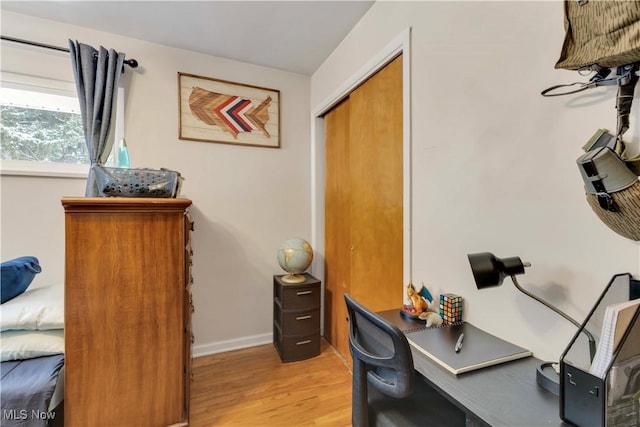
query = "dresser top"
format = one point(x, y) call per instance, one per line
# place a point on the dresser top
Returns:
point(123, 203)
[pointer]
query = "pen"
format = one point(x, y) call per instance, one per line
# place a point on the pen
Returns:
point(459, 343)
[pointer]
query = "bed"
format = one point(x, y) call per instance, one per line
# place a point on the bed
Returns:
point(32, 391)
point(32, 349)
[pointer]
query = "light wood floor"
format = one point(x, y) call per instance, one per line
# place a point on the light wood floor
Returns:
point(252, 387)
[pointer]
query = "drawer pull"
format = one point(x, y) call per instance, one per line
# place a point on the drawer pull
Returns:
point(303, 292)
point(303, 342)
point(303, 317)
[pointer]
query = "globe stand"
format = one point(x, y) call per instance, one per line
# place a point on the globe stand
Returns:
point(293, 278)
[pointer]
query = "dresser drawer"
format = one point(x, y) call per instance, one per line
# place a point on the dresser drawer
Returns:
point(301, 322)
point(300, 297)
point(300, 348)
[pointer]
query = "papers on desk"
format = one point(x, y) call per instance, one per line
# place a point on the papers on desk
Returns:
point(479, 349)
point(617, 318)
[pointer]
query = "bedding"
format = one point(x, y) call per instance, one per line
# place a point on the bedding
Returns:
point(38, 308)
point(16, 275)
point(18, 345)
point(27, 390)
point(31, 347)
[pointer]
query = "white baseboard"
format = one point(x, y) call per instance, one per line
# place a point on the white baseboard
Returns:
point(234, 344)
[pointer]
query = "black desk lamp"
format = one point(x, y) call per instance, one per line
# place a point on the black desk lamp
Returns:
point(489, 270)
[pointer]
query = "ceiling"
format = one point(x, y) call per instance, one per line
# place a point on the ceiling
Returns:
point(294, 36)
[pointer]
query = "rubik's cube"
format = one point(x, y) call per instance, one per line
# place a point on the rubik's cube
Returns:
point(451, 308)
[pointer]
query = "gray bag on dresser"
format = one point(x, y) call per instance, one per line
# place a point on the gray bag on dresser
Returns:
point(121, 182)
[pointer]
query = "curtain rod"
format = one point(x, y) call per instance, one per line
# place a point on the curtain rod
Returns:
point(130, 62)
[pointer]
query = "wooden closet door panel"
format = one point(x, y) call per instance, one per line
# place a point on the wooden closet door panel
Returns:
point(124, 318)
point(376, 167)
point(364, 201)
point(337, 227)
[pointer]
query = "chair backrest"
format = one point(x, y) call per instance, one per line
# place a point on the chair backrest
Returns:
point(381, 357)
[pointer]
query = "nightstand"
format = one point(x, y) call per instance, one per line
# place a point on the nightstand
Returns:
point(296, 318)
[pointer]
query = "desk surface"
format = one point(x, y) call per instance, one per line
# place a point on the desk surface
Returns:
point(500, 395)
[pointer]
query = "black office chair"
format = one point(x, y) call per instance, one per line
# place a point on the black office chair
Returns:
point(386, 391)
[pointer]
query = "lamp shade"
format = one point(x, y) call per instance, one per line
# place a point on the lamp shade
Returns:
point(489, 270)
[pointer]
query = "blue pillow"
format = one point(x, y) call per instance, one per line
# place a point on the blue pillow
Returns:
point(17, 275)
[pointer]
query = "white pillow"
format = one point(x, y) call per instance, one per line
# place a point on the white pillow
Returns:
point(38, 308)
point(17, 345)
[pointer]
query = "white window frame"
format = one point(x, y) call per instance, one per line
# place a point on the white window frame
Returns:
point(52, 169)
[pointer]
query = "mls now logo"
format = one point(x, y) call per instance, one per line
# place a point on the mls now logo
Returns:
point(23, 414)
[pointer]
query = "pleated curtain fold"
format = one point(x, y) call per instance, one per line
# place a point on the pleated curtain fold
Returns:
point(97, 74)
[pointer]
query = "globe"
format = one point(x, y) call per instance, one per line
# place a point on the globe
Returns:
point(295, 256)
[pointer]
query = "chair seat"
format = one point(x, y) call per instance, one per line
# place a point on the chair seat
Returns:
point(425, 407)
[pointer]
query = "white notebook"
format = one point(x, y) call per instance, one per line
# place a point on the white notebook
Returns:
point(617, 318)
point(479, 349)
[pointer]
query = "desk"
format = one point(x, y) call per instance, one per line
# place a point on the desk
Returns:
point(501, 395)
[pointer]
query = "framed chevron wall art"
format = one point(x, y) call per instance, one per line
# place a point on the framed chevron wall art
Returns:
point(213, 110)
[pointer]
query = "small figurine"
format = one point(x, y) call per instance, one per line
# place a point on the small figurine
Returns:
point(420, 305)
point(432, 318)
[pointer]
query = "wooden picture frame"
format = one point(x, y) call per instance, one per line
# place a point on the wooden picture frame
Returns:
point(213, 110)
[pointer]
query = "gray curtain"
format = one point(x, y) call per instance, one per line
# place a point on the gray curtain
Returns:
point(97, 74)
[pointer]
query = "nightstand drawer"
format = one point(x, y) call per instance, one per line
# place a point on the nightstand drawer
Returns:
point(301, 322)
point(300, 297)
point(300, 347)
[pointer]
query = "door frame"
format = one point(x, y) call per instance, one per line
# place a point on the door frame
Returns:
point(399, 45)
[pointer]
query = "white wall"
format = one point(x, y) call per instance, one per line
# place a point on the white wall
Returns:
point(247, 200)
point(493, 162)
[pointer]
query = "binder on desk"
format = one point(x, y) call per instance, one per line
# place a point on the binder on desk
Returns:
point(479, 348)
point(605, 391)
point(617, 319)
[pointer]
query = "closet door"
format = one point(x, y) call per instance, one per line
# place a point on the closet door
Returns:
point(375, 153)
point(337, 226)
point(363, 201)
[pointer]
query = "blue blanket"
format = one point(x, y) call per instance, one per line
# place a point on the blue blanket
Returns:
point(26, 391)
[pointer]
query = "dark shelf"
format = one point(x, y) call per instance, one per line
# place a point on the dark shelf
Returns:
point(296, 318)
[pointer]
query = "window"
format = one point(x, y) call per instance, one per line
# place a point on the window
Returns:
point(41, 127)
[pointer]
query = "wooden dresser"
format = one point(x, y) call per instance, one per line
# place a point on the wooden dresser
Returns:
point(127, 311)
